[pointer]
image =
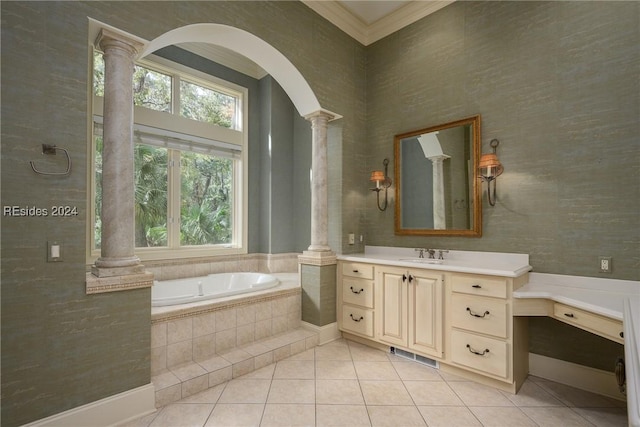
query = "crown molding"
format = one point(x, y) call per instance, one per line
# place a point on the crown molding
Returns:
point(344, 19)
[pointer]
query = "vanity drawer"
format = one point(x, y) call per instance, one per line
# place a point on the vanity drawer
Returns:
point(484, 315)
point(483, 354)
point(358, 320)
point(608, 328)
point(357, 292)
point(356, 269)
point(479, 285)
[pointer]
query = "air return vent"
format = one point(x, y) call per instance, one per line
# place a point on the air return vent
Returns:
point(414, 357)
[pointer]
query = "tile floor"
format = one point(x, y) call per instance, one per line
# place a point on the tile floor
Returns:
point(347, 384)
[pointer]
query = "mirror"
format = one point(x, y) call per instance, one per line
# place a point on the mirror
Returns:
point(437, 192)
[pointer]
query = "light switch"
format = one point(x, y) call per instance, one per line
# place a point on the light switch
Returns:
point(54, 252)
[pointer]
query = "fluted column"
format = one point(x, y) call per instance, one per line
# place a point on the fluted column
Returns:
point(117, 215)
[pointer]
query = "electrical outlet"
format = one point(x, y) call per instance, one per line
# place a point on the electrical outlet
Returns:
point(352, 239)
point(605, 264)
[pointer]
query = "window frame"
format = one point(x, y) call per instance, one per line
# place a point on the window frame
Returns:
point(175, 123)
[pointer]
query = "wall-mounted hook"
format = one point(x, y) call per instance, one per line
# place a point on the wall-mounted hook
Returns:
point(51, 150)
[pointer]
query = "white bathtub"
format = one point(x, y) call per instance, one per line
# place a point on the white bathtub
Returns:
point(183, 291)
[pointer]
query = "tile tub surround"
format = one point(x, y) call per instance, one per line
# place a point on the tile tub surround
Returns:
point(196, 331)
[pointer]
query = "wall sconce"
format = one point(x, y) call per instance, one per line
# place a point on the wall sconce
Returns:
point(489, 169)
point(382, 182)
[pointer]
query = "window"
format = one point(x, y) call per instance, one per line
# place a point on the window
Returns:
point(189, 149)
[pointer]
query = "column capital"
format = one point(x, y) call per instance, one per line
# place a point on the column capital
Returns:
point(108, 38)
point(322, 114)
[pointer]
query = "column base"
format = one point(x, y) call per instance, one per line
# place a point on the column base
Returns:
point(111, 267)
point(318, 258)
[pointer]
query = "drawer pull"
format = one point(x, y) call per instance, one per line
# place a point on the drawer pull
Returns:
point(476, 286)
point(569, 315)
point(356, 292)
point(356, 271)
point(354, 319)
point(621, 334)
point(476, 314)
point(486, 350)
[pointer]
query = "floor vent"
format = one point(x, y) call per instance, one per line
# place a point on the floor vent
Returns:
point(415, 357)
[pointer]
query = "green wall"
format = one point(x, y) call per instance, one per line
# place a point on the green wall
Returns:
point(557, 83)
point(60, 347)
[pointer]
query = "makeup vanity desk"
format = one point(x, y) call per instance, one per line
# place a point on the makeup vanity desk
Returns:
point(606, 307)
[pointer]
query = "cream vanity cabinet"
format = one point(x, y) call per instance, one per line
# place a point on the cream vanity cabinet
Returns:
point(485, 338)
point(355, 296)
point(409, 309)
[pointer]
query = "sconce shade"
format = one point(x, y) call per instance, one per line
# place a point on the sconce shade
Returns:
point(377, 176)
point(489, 165)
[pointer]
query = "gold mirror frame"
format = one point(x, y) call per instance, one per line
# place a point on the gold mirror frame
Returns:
point(475, 197)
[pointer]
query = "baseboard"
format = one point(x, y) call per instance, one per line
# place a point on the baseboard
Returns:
point(326, 333)
point(578, 376)
point(109, 411)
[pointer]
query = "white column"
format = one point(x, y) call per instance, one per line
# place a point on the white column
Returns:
point(319, 192)
point(439, 216)
point(118, 226)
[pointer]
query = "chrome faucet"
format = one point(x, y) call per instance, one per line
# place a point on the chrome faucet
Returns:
point(441, 253)
point(421, 252)
point(432, 253)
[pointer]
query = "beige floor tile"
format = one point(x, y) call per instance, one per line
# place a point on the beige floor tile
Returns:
point(503, 417)
point(604, 417)
point(339, 392)
point(295, 369)
point(363, 352)
point(335, 370)
point(385, 393)
point(236, 415)
point(336, 350)
point(210, 395)
point(305, 355)
point(278, 415)
point(246, 391)
point(142, 421)
point(448, 416)
point(394, 416)
point(412, 371)
point(574, 397)
point(342, 415)
point(433, 393)
point(292, 391)
point(531, 394)
point(183, 415)
point(188, 371)
point(474, 394)
point(382, 371)
point(552, 417)
point(164, 380)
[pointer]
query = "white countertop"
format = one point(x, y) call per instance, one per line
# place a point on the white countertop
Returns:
point(491, 263)
point(617, 299)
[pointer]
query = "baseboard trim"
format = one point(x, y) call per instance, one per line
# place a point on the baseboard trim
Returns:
point(326, 333)
point(578, 376)
point(109, 411)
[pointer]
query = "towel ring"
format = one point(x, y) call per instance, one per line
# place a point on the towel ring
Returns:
point(51, 149)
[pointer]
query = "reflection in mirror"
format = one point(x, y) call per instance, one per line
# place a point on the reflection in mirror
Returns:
point(437, 192)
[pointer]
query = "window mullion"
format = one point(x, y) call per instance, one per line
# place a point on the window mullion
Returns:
point(175, 95)
point(173, 200)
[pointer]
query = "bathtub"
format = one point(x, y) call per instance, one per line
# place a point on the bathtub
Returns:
point(184, 291)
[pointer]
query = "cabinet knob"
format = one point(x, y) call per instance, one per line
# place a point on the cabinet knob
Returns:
point(621, 334)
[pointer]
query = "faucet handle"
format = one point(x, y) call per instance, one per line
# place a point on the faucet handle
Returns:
point(421, 250)
point(441, 253)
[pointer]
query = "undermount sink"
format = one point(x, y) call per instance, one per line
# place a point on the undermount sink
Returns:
point(424, 260)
